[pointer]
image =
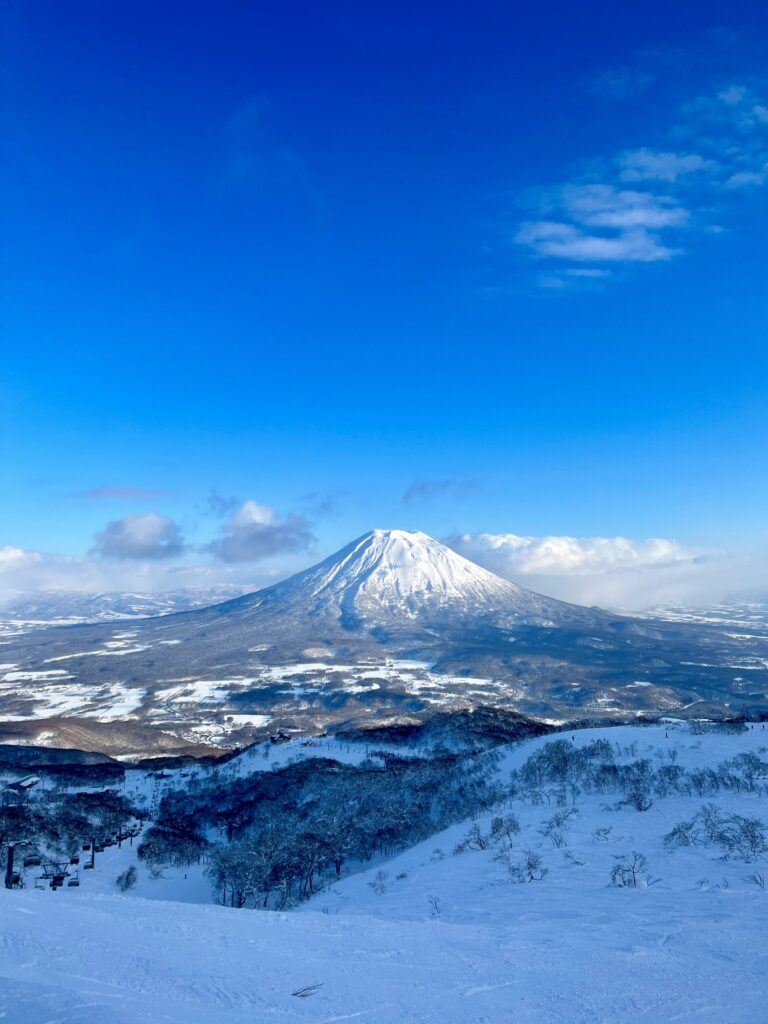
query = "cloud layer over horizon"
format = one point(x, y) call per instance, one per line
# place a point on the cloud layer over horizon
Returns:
point(617, 572)
point(614, 572)
point(150, 552)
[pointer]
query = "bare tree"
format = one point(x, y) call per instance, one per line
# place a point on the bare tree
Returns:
point(627, 872)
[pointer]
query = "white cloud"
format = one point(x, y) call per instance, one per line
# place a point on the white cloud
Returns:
point(603, 206)
point(613, 572)
point(658, 165)
point(617, 572)
point(15, 559)
point(255, 531)
point(147, 554)
point(564, 556)
point(730, 125)
point(723, 147)
point(587, 272)
point(597, 223)
point(147, 536)
point(747, 179)
point(733, 95)
point(565, 241)
point(26, 572)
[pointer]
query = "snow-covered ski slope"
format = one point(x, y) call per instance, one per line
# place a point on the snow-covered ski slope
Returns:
point(633, 958)
point(441, 938)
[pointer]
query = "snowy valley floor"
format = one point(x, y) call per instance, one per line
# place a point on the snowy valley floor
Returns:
point(442, 938)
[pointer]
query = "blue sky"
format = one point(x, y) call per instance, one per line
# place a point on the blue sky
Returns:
point(273, 275)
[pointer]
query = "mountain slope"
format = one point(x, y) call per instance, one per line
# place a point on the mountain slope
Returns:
point(394, 573)
point(400, 577)
point(390, 626)
point(42, 608)
point(434, 937)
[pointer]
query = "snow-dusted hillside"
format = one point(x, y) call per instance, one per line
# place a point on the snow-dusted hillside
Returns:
point(390, 626)
point(431, 934)
point(41, 609)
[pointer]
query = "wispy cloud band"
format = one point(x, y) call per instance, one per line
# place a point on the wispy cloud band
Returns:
point(645, 205)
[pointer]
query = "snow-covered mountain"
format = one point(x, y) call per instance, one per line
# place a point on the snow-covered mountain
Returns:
point(401, 573)
point(383, 576)
point(403, 577)
point(71, 607)
point(388, 627)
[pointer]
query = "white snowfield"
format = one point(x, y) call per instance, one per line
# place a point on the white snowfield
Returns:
point(634, 958)
point(440, 938)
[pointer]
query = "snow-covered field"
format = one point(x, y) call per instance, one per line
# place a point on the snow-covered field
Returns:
point(207, 710)
point(635, 958)
point(428, 935)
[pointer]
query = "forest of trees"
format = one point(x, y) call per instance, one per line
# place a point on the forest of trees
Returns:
point(282, 834)
point(273, 838)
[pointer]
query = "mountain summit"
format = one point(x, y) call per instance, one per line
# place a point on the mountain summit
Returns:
point(395, 577)
point(402, 572)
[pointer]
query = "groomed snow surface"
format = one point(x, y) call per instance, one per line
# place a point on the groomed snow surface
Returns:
point(442, 939)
